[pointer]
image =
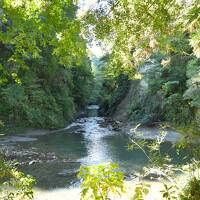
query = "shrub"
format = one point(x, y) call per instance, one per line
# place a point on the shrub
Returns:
point(14, 185)
point(191, 190)
point(100, 180)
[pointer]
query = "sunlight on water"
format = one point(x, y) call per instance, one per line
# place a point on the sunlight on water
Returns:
point(54, 159)
point(96, 146)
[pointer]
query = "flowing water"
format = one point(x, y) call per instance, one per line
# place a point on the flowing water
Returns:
point(54, 159)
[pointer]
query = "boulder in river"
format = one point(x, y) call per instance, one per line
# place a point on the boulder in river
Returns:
point(153, 174)
point(32, 162)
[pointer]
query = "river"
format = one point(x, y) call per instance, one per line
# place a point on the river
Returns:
point(54, 158)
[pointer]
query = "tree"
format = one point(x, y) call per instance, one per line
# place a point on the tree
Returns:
point(135, 29)
point(29, 26)
point(45, 73)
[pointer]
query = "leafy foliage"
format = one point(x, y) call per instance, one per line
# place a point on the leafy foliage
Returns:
point(29, 26)
point(100, 181)
point(167, 96)
point(141, 191)
point(191, 190)
point(113, 91)
point(193, 83)
point(136, 29)
point(173, 189)
point(45, 72)
point(169, 192)
point(48, 96)
point(14, 184)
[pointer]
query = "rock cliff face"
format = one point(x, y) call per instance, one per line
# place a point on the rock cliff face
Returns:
point(122, 111)
point(137, 90)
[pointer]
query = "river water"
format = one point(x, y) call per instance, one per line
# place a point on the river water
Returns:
point(54, 159)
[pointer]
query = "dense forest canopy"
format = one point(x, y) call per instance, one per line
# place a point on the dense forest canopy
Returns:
point(136, 29)
point(45, 72)
point(29, 26)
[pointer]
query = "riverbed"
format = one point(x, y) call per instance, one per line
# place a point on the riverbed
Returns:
point(54, 157)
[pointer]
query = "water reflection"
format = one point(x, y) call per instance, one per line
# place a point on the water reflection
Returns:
point(97, 148)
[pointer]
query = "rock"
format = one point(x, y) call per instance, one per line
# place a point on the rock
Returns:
point(154, 175)
point(111, 124)
point(116, 125)
point(81, 115)
point(128, 176)
point(79, 131)
point(110, 128)
point(32, 162)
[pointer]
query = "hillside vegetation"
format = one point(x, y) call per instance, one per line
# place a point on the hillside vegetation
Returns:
point(45, 73)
